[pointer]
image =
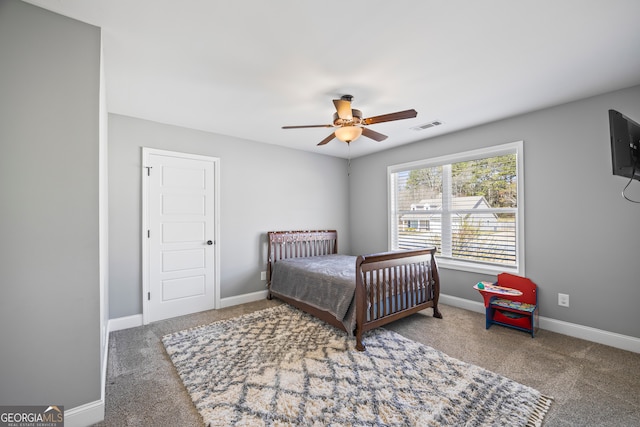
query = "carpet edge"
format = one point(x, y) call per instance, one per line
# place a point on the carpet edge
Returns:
point(540, 411)
point(234, 318)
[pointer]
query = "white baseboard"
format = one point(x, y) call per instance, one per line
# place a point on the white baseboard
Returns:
point(242, 299)
point(476, 306)
point(136, 319)
point(84, 415)
point(587, 333)
point(599, 336)
point(92, 412)
point(125, 322)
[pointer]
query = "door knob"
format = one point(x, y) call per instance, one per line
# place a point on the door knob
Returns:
point(209, 242)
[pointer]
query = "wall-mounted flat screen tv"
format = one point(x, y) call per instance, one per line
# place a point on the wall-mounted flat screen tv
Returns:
point(625, 145)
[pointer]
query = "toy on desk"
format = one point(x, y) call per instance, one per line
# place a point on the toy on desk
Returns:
point(512, 301)
point(495, 289)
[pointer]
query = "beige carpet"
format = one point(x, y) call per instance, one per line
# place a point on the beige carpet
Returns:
point(280, 366)
point(592, 384)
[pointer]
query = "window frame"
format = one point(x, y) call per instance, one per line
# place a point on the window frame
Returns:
point(516, 148)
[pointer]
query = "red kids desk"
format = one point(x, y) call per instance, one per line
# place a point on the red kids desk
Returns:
point(512, 301)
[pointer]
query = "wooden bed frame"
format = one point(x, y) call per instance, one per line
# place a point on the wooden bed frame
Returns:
point(400, 274)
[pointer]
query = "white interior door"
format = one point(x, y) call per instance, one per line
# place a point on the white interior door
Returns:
point(180, 235)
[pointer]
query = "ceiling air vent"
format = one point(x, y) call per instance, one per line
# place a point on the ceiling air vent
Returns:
point(431, 124)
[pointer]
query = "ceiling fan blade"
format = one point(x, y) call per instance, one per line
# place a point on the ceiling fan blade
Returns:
point(376, 136)
point(307, 126)
point(343, 107)
point(327, 139)
point(400, 115)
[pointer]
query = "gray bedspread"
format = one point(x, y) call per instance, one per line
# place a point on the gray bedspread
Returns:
point(326, 282)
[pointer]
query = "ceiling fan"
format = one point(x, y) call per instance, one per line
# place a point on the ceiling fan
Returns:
point(350, 124)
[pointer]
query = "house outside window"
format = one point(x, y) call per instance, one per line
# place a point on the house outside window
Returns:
point(469, 205)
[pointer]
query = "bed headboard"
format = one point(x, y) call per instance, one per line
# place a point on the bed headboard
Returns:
point(300, 243)
point(303, 243)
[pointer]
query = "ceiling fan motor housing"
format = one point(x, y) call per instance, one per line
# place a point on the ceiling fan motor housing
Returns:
point(355, 120)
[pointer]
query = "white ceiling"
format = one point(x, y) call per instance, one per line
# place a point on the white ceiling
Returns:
point(247, 67)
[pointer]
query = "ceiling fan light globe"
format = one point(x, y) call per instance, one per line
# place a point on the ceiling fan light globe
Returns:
point(348, 133)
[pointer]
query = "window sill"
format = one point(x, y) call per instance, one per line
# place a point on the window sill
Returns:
point(474, 267)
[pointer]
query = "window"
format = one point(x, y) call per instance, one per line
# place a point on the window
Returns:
point(468, 205)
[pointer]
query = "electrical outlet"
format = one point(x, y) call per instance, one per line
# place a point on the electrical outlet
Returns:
point(263, 275)
point(563, 300)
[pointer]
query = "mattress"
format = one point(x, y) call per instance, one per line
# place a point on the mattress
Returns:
point(326, 282)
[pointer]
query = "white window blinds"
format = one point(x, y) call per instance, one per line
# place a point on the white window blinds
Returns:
point(467, 205)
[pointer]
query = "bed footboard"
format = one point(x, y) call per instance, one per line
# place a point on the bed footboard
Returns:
point(393, 285)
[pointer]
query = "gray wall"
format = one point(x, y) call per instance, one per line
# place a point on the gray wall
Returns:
point(49, 270)
point(263, 187)
point(582, 238)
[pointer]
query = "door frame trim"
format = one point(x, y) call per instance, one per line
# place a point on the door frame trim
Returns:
point(145, 152)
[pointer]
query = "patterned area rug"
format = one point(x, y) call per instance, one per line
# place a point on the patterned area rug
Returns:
point(280, 366)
